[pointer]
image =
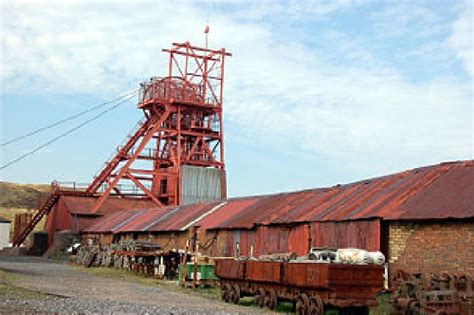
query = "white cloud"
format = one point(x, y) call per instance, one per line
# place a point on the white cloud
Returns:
point(84, 47)
point(407, 18)
point(294, 9)
point(462, 38)
point(278, 90)
point(352, 115)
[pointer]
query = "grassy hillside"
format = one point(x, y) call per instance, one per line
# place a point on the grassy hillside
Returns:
point(9, 213)
point(21, 196)
point(17, 198)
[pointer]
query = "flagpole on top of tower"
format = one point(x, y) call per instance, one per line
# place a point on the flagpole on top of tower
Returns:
point(206, 32)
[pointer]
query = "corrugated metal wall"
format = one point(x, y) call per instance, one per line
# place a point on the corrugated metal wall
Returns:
point(363, 234)
point(247, 242)
point(299, 238)
point(4, 234)
point(282, 239)
point(225, 244)
point(272, 239)
point(199, 184)
point(262, 240)
point(227, 240)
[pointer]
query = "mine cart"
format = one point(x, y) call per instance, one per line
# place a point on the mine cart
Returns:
point(312, 286)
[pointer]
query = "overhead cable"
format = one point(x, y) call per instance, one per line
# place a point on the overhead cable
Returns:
point(64, 134)
point(56, 123)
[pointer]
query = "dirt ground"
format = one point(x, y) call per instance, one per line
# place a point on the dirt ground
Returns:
point(35, 285)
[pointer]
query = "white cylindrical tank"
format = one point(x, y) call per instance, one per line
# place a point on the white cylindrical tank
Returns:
point(359, 256)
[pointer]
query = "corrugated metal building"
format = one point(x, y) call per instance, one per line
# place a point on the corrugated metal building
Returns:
point(422, 219)
point(201, 184)
point(74, 212)
point(4, 232)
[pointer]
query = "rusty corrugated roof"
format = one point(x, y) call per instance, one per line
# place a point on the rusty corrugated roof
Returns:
point(434, 192)
point(110, 222)
point(80, 223)
point(151, 219)
point(167, 219)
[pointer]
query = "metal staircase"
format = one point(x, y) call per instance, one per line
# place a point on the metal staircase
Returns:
point(43, 210)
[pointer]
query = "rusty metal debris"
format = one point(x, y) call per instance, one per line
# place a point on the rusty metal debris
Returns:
point(419, 293)
point(140, 257)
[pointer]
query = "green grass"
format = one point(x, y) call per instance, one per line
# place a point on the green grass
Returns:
point(211, 293)
point(9, 213)
point(384, 306)
point(115, 273)
point(12, 291)
point(8, 289)
point(7, 278)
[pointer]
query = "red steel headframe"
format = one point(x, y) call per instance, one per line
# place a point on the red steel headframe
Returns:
point(182, 126)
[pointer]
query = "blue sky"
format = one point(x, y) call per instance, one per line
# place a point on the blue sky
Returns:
point(317, 92)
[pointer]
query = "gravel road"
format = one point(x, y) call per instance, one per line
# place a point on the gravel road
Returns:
point(45, 287)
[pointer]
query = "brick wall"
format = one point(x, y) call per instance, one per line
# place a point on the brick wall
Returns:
point(431, 246)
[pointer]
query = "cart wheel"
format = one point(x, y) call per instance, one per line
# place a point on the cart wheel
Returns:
point(233, 298)
point(225, 291)
point(316, 306)
point(238, 291)
point(260, 297)
point(412, 308)
point(271, 299)
point(302, 304)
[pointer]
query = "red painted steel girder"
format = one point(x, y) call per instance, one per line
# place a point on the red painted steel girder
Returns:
point(183, 126)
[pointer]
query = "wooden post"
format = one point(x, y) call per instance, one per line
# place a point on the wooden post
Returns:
point(184, 263)
point(196, 249)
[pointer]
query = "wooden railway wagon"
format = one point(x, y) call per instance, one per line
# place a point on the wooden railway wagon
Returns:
point(312, 286)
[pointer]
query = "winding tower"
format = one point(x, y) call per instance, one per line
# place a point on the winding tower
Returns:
point(182, 133)
point(175, 156)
